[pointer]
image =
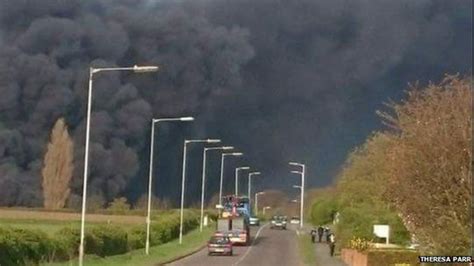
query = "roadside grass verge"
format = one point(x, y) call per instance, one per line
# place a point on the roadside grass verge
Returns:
point(306, 249)
point(159, 254)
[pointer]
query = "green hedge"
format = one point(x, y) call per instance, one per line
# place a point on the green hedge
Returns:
point(25, 247)
point(392, 257)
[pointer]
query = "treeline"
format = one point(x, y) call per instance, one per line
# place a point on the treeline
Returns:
point(414, 176)
point(31, 247)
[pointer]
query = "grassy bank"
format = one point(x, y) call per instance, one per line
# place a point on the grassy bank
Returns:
point(158, 254)
point(306, 249)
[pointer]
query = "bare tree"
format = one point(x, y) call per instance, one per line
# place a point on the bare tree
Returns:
point(57, 167)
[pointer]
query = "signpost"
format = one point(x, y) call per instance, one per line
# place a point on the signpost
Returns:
point(382, 231)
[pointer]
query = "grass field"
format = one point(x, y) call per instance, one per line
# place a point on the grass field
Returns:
point(29, 214)
point(158, 254)
point(51, 222)
point(48, 226)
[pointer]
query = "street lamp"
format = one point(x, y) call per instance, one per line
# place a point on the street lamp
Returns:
point(249, 186)
point(150, 176)
point(265, 208)
point(256, 201)
point(203, 185)
point(183, 180)
point(237, 178)
point(222, 171)
point(302, 173)
point(92, 71)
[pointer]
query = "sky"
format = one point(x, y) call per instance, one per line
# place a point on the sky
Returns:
point(279, 80)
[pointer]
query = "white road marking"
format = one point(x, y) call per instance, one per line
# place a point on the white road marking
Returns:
point(251, 245)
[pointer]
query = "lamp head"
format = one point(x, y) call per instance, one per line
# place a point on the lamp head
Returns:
point(227, 148)
point(143, 69)
point(188, 118)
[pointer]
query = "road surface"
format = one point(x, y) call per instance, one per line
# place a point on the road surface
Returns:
point(270, 247)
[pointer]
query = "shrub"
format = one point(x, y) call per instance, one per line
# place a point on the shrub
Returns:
point(360, 244)
point(25, 247)
point(21, 247)
point(323, 210)
point(106, 240)
point(392, 257)
point(119, 206)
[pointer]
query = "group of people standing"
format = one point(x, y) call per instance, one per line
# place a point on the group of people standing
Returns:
point(330, 238)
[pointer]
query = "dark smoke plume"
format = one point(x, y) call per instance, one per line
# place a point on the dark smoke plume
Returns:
point(281, 80)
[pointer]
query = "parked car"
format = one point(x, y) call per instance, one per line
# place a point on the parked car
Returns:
point(219, 245)
point(278, 222)
point(254, 221)
point(295, 220)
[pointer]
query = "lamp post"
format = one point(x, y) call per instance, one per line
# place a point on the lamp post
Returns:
point(256, 201)
point(237, 178)
point(183, 180)
point(295, 201)
point(265, 208)
point(203, 185)
point(301, 204)
point(150, 176)
point(92, 71)
point(302, 173)
point(249, 186)
point(222, 172)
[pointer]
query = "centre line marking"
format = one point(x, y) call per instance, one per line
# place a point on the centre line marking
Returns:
point(251, 245)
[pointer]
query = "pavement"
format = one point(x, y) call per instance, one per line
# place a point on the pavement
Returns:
point(323, 257)
point(269, 248)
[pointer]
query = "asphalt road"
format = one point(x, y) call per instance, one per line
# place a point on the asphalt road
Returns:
point(270, 247)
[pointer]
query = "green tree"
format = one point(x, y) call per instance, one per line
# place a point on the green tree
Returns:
point(119, 206)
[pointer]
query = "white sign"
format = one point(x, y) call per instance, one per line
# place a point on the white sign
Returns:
point(382, 230)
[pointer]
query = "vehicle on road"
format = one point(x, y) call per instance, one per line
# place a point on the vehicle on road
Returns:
point(254, 221)
point(278, 222)
point(219, 245)
point(295, 220)
point(240, 231)
point(234, 220)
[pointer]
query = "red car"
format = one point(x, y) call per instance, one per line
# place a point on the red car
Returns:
point(219, 245)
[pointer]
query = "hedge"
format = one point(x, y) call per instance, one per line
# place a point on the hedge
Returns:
point(25, 247)
point(392, 257)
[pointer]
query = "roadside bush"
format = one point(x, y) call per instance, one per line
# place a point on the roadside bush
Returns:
point(136, 238)
point(360, 244)
point(323, 210)
point(106, 240)
point(392, 257)
point(26, 247)
point(22, 247)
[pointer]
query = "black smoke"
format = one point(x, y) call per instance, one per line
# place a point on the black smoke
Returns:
point(281, 80)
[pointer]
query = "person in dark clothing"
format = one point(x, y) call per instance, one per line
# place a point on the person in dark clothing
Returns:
point(332, 244)
point(313, 235)
point(320, 233)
